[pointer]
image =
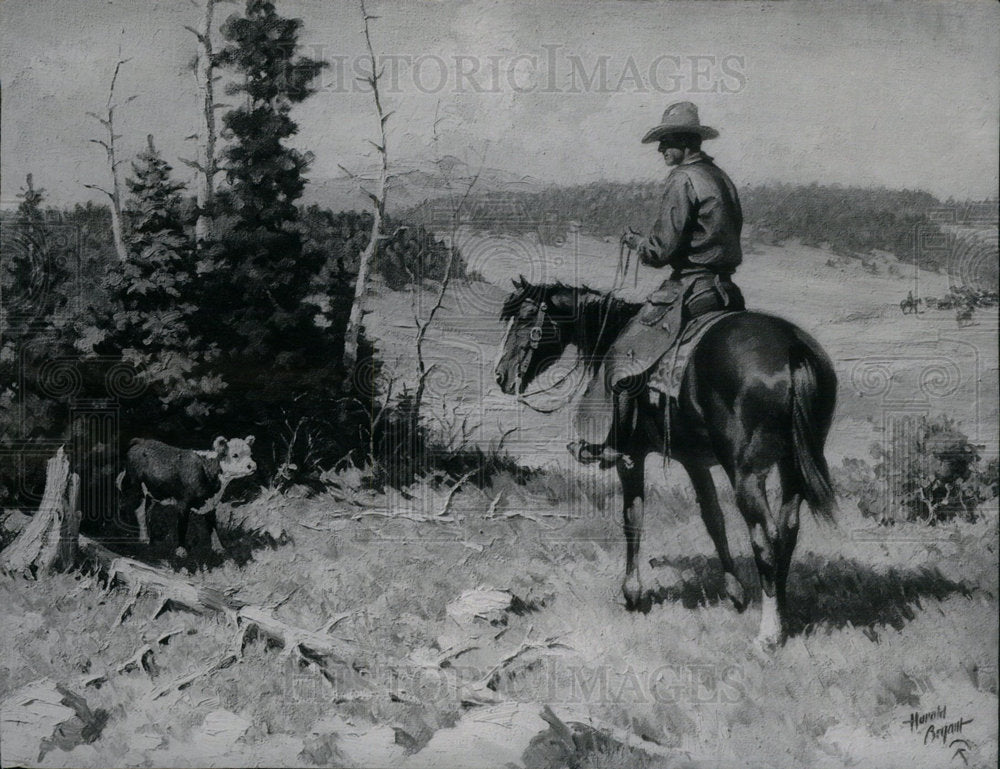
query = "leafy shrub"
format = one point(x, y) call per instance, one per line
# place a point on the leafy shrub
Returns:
point(930, 473)
point(856, 480)
point(407, 254)
point(412, 255)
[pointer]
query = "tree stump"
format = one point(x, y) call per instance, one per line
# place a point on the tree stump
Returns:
point(49, 541)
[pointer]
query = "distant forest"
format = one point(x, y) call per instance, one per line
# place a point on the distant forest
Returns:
point(850, 221)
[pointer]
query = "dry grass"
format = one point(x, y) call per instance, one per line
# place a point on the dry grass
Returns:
point(886, 622)
point(882, 627)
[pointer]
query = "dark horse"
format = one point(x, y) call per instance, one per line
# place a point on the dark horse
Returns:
point(757, 393)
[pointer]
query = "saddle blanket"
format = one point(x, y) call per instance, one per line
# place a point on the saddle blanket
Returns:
point(592, 418)
point(668, 373)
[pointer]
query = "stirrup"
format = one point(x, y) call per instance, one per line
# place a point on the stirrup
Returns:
point(597, 453)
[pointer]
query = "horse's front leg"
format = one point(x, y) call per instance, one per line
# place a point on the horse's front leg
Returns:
point(632, 475)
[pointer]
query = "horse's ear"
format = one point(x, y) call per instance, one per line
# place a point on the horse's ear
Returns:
point(521, 281)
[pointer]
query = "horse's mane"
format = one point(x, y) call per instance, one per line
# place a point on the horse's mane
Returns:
point(598, 318)
point(589, 298)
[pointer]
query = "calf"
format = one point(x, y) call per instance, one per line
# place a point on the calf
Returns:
point(194, 480)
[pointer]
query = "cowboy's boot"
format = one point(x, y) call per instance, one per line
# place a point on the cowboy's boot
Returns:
point(610, 452)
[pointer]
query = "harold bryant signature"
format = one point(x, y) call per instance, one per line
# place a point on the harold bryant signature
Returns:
point(937, 729)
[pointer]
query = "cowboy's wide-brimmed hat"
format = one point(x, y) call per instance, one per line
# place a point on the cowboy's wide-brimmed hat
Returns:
point(679, 118)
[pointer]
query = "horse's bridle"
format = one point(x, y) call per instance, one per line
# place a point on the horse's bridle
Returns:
point(534, 340)
point(524, 361)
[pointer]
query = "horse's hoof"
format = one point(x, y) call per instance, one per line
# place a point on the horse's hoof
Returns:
point(633, 595)
point(736, 593)
point(181, 552)
point(769, 644)
point(143, 540)
point(772, 629)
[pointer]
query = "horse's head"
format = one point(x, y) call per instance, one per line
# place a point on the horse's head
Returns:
point(537, 319)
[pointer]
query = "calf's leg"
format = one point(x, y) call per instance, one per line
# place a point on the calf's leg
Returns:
point(133, 502)
point(213, 530)
point(183, 514)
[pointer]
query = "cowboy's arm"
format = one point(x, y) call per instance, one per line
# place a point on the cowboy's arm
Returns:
point(668, 240)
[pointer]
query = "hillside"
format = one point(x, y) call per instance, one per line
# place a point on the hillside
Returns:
point(851, 310)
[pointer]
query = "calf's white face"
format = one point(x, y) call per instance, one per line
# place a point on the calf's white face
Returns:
point(235, 460)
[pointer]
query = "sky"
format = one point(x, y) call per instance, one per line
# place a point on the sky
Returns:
point(871, 94)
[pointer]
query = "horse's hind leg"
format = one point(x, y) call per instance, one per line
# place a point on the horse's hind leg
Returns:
point(633, 492)
point(715, 522)
point(751, 498)
point(788, 530)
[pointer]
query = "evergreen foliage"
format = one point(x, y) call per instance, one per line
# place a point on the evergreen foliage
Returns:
point(36, 286)
point(152, 306)
point(265, 176)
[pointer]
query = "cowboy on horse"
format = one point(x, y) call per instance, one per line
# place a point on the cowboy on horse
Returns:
point(697, 236)
point(756, 394)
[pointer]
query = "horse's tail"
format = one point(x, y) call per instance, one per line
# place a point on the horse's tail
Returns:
point(814, 388)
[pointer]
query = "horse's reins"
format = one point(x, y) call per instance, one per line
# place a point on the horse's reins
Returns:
point(624, 260)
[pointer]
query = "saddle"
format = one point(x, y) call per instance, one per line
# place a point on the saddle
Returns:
point(658, 325)
point(677, 313)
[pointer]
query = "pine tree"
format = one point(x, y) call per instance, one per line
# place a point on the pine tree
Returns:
point(31, 271)
point(35, 284)
point(265, 176)
point(258, 278)
point(153, 298)
point(160, 264)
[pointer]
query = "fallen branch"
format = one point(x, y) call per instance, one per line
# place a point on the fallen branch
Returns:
point(491, 511)
point(451, 492)
point(336, 620)
point(224, 661)
point(316, 648)
point(358, 515)
point(452, 653)
point(141, 660)
point(489, 681)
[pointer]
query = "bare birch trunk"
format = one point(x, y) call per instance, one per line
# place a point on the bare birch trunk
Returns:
point(353, 333)
point(115, 193)
point(206, 160)
point(116, 198)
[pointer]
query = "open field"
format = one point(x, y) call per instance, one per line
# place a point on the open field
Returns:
point(932, 365)
point(886, 622)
